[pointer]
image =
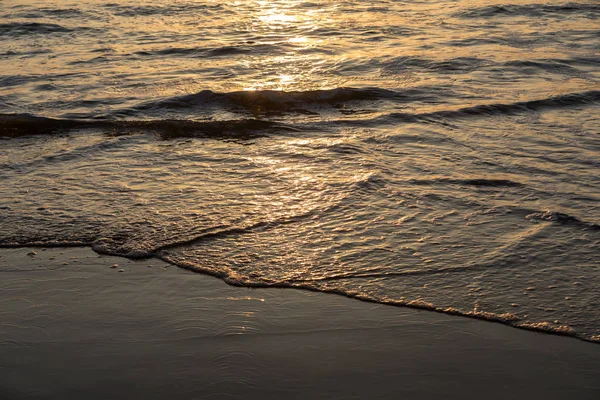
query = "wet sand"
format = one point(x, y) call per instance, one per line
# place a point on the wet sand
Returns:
point(71, 326)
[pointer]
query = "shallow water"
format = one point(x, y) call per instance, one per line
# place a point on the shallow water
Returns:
point(435, 154)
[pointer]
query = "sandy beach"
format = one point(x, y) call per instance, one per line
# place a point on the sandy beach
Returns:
point(74, 324)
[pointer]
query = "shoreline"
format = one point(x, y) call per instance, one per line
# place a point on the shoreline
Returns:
point(506, 319)
point(71, 325)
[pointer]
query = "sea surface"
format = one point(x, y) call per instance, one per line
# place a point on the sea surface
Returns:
point(434, 154)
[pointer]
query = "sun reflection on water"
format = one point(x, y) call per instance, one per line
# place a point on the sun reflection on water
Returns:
point(286, 24)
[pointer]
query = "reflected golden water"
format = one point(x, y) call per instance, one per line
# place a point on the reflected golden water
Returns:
point(133, 50)
point(280, 22)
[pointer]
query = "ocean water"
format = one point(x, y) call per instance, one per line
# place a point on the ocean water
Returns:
point(434, 154)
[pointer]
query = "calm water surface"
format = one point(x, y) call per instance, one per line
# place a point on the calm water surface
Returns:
point(438, 154)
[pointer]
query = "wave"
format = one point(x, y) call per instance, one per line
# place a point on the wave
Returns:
point(163, 10)
point(551, 216)
point(267, 101)
point(499, 109)
point(168, 252)
point(220, 51)
point(121, 248)
point(591, 98)
point(531, 10)
point(13, 29)
point(483, 182)
point(234, 279)
point(32, 52)
point(553, 64)
point(16, 80)
point(561, 218)
point(45, 12)
point(450, 66)
point(529, 40)
point(278, 100)
point(117, 245)
point(16, 125)
point(22, 28)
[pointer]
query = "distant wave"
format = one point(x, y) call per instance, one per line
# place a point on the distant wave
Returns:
point(12, 53)
point(45, 12)
point(13, 29)
point(463, 65)
point(165, 10)
point(531, 10)
point(552, 64)
point(483, 182)
point(529, 40)
point(563, 67)
point(20, 28)
point(15, 80)
point(449, 66)
point(221, 51)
